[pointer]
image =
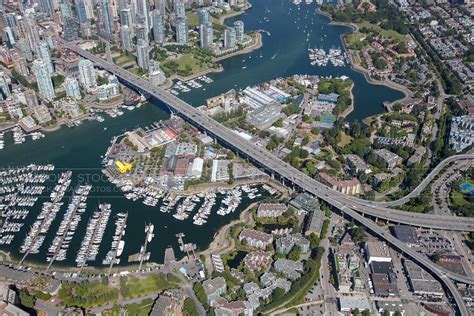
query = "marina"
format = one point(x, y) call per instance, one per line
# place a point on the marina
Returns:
point(93, 236)
point(68, 225)
point(40, 228)
point(143, 255)
point(72, 149)
point(118, 243)
point(186, 86)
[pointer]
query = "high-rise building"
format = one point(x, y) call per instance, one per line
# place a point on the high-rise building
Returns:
point(25, 49)
point(181, 30)
point(126, 38)
point(46, 6)
point(87, 75)
point(143, 14)
point(161, 6)
point(9, 36)
point(43, 79)
point(206, 34)
point(239, 30)
point(43, 53)
point(159, 32)
point(72, 88)
point(31, 30)
point(31, 99)
point(229, 38)
point(134, 9)
point(106, 19)
point(65, 9)
point(70, 29)
point(86, 28)
point(143, 58)
point(141, 32)
point(156, 75)
point(204, 16)
point(179, 8)
point(81, 11)
point(126, 17)
point(5, 85)
point(21, 66)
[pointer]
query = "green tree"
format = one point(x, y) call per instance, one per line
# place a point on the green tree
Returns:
point(294, 253)
point(26, 299)
point(189, 308)
point(199, 290)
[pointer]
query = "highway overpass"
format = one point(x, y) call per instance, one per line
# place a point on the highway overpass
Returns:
point(351, 207)
point(274, 165)
point(427, 180)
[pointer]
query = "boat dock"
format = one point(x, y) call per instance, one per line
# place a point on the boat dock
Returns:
point(188, 248)
point(118, 251)
point(69, 223)
point(94, 233)
point(143, 255)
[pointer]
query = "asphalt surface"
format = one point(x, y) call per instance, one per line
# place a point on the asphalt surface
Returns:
point(352, 207)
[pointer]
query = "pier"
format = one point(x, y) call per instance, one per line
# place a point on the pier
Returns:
point(63, 236)
point(112, 261)
point(143, 255)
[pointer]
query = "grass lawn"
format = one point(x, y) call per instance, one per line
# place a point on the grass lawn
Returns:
point(354, 39)
point(188, 59)
point(133, 287)
point(124, 60)
point(140, 309)
point(345, 140)
point(458, 199)
point(386, 33)
point(193, 20)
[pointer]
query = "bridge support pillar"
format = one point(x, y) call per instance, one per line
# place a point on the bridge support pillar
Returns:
point(376, 219)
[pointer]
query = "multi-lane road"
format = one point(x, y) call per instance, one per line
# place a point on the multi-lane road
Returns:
point(429, 178)
point(351, 207)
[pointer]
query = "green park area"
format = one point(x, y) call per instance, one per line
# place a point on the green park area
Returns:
point(193, 19)
point(188, 64)
point(124, 60)
point(137, 309)
point(88, 294)
point(390, 34)
point(134, 286)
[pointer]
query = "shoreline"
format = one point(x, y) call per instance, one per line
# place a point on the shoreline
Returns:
point(357, 68)
point(258, 43)
point(350, 109)
point(41, 267)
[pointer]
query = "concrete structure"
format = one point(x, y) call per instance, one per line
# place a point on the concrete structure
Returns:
point(264, 117)
point(349, 187)
point(87, 75)
point(43, 78)
point(271, 209)
point(230, 38)
point(143, 58)
point(71, 85)
point(206, 35)
point(214, 288)
point(43, 51)
point(159, 29)
point(255, 238)
point(239, 31)
point(350, 207)
point(291, 269)
point(181, 30)
point(388, 158)
point(377, 251)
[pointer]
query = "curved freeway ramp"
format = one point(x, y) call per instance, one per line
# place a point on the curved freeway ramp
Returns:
point(427, 180)
point(294, 177)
